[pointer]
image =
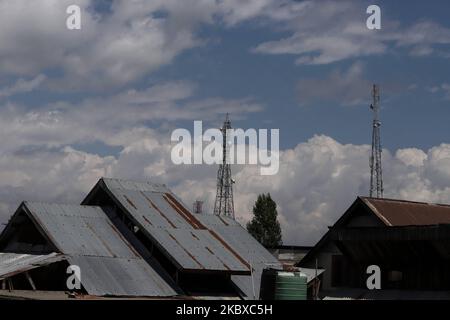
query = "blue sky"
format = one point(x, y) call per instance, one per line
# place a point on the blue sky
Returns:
point(229, 69)
point(225, 66)
point(103, 100)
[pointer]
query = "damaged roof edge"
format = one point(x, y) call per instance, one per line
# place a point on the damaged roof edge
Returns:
point(15, 263)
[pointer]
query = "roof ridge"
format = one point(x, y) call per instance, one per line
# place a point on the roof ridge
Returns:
point(147, 181)
point(405, 201)
point(59, 204)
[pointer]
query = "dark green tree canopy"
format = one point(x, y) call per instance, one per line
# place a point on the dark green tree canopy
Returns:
point(264, 226)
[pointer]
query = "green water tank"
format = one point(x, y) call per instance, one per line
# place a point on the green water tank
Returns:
point(291, 286)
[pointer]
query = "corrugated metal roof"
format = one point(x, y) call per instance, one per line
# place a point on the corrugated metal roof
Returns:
point(391, 212)
point(408, 213)
point(109, 264)
point(105, 276)
point(176, 230)
point(247, 246)
point(81, 230)
point(13, 263)
point(121, 184)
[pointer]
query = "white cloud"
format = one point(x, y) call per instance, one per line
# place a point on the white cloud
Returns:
point(135, 38)
point(112, 119)
point(411, 157)
point(317, 180)
point(323, 32)
point(327, 31)
point(22, 86)
point(320, 178)
point(443, 89)
point(110, 49)
point(38, 151)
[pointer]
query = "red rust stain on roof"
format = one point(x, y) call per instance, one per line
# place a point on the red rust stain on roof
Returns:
point(185, 250)
point(148, 221)
point(189, 217)
point(159, 211)
point(130, 202)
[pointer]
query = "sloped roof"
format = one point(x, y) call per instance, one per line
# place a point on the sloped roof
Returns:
point(392, 213)
point(408, 213)
point(247, 246)
point(13, 263)
point(109, 264)
point(179, 234)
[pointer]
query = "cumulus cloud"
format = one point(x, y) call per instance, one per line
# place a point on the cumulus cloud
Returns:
point(320, 178)
point(411, 157)
point(317, 180)
point(48, 135)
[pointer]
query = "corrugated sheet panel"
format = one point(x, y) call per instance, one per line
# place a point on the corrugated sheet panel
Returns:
point(13, 263)
point(175, 229)
point(81, 230)
point(109, 265)
point(407, 213)
point(104, 276)
point(247, 246)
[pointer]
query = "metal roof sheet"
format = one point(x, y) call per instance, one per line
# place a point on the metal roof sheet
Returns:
point(392, 212)
point(177, 231)
point(247, 246)
point(13, 263)
point(408, 213)
point(105, 276)
point(109, 264)
point(81, 230)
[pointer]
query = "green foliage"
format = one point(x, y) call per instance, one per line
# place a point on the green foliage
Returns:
point(264, 226)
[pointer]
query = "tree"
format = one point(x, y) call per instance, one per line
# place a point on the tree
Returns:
point(264, 226)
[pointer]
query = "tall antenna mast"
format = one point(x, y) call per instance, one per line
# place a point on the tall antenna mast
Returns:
point(376, 175)
point(224, 205)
